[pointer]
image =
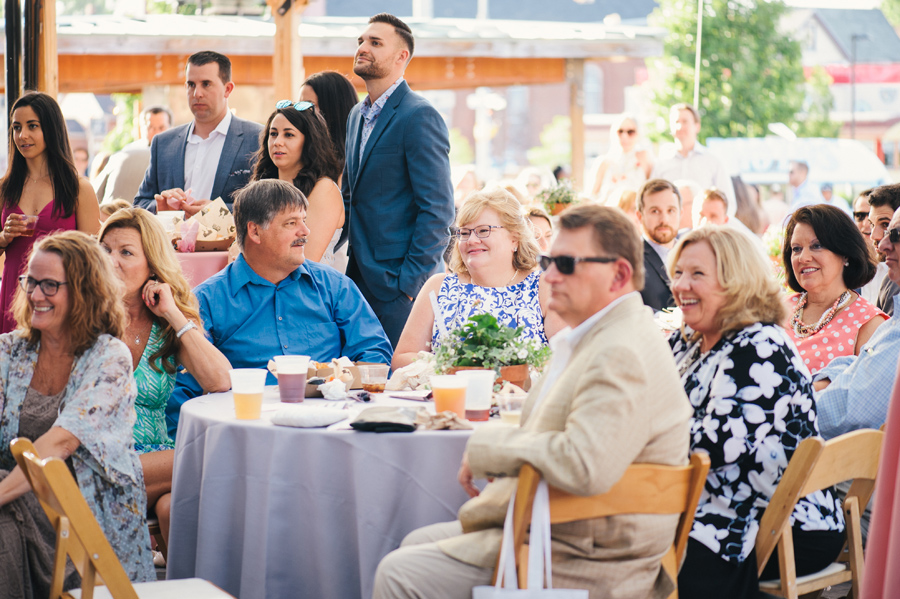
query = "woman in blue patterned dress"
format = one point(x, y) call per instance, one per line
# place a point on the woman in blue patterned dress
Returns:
point(163, 329)
point(66, 384)
point(753, 405)
point(492, 271)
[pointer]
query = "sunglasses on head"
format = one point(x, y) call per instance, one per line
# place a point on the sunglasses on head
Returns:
point(627, 131)
point(566, 264)
point(299, 106)
point(860, 216)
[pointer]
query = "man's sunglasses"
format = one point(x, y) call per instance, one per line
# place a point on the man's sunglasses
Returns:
point(860, 216)
point(566, 264)
point(894, 235)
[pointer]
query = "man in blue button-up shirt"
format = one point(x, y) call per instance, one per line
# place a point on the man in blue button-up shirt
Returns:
point(271, 301)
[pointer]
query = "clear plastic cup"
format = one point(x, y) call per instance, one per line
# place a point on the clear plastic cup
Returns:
point(373, 377)
point(247, 385)
point(291, 377)
point(511, 407)
point(449, 393)
point(30, 221)
point(479, 390)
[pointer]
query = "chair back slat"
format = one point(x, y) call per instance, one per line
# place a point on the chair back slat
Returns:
point(54, 486)
point(854, 456)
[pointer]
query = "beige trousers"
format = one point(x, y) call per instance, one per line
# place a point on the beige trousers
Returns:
point(419, 570)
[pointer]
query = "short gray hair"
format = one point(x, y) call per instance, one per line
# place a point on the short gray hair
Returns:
point(261, 201)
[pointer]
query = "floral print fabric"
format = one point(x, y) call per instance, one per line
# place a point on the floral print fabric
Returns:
point(514, 306)
point(98, 408)
point(753, 405)
point(153, 391)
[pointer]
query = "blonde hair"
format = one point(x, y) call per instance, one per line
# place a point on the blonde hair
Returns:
point(513, 221)
point(95, 294)
point(752, 294)
point(165, 267)
point(111, 207)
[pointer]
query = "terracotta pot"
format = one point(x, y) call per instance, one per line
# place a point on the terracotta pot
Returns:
point(557, 208)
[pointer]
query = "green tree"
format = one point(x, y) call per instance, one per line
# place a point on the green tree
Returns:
point(891, 10)
point(750, 72)
point(127, 113)
point(460, 149)
point(556, 144)
point(816, 122)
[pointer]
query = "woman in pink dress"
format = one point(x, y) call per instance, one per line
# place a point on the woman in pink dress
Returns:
point(41, 181)
point(825, 259)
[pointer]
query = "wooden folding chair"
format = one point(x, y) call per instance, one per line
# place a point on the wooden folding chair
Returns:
point(643, 489)
point(79, 536)
point(816, 465)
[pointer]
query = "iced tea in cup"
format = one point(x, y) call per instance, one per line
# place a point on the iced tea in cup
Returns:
point(247, 385)
point(30, 221)
point(479, 391)
point(373, 377)
point(291, 377)
point(449, 394)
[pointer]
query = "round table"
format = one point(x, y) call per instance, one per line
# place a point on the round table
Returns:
point(272, 511)
point(199, 266)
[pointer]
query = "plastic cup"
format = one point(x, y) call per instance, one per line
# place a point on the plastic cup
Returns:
point(479, 391)
point(247, 386)
point(30, 221)
point(373, 377)
point(449, 394)
point(291, 377)
point(511, 407)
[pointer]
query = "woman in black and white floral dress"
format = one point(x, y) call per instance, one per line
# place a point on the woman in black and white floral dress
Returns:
point(753, 405)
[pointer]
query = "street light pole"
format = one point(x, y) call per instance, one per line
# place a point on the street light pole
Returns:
point(856, 37)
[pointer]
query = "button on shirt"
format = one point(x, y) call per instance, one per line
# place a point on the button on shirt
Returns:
point(314, 312)
point(370, 112)
point(201, 159)
point(860, 388)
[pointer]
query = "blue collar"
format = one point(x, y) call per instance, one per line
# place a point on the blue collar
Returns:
point(240, 274)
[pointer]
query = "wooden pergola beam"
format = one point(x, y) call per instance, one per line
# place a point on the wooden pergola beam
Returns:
point(131, 73)
point(287, 60)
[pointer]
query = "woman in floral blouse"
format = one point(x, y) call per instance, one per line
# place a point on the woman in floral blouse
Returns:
point(66, 384)
point(753, 405)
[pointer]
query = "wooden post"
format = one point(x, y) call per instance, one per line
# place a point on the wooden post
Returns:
point(575, 77)
point(41, 70)
point(287, 60)
point(13, 17)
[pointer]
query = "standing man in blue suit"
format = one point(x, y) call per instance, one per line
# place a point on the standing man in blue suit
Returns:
point(209, 157)
point(396, 184)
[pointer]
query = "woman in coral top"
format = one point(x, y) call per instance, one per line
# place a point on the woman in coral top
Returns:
point(825, 259)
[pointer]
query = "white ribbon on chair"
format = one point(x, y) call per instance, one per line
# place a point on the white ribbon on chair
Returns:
point(539, 564)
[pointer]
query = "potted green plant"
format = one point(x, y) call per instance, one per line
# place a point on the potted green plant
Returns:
point(558, 198)
point(482, 342)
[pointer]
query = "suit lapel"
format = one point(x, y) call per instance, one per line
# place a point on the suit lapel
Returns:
point(381, 123)
point(656, 262)
point(354, 132)
point(178, 163)
point(233, 141)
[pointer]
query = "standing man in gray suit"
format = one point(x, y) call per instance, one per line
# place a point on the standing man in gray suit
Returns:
point(397, 192)
point(209, 157)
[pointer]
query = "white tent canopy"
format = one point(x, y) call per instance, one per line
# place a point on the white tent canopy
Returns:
point(764, 160)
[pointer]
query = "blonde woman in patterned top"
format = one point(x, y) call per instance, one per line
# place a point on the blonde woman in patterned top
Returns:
point(826, 259)
point(163, 330)
point(66, 384)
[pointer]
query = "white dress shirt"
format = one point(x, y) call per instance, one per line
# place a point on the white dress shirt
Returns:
point(201, 159)
point(699, 166)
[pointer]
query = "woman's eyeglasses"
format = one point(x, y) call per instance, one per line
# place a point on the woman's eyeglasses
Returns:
point(299, 106)
point(49, 287)
point(481, 232)
point(628, 132)
point(566, 264)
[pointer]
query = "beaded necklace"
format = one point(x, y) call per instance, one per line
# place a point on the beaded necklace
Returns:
point(805, 330)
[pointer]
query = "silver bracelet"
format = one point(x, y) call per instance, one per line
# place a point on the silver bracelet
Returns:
point(190, 325)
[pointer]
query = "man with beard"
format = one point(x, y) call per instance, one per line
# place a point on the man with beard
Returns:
point(883, 202)
point(398, 197)
point(272, 301)
point(659, 212)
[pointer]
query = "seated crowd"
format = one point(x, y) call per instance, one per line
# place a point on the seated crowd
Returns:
point(107, 340)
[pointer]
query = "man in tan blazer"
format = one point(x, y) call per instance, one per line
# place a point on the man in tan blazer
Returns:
point(610, 397)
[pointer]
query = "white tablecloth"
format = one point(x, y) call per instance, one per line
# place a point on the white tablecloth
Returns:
point(270, 511)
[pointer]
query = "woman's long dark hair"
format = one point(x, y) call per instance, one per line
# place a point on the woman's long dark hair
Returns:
point(337, 97)
point(58, 152)
point(317, 155)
